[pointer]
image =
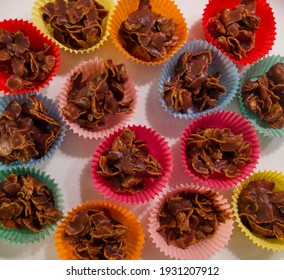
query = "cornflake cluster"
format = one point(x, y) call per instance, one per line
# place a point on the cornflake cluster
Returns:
point(261, 209)
point(234, 28)
point(95, 235)
point(27, 67)
point(25, 202)
point(193, 86)
point(213, 150)
point(188, 218)
point(146, 35)
point(128, 163)
point(26, 132)
point(92, 100)
point(265, 96)
point(76, 23)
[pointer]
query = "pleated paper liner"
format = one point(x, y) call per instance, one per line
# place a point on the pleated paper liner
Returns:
point(53, 112)
point(37, 40)
point(48, 30)
point(134, 237)
point(260, 241)
point(205, 248)
point(253, 71)
point(25, 235)
point(264, 35)
point(238, 125)
point(220, 63)
point(166, 8)
point(115, 121)
point(158, 148)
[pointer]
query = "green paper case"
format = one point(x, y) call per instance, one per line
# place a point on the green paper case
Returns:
point(254, 71)
point(25, 235)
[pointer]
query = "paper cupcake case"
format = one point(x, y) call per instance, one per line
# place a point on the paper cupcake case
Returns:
point(264, 36)
point(265, 243)
point(205, 248)
point(238, 125)
point(166, 8)
point(53, 112)
point(25, 236)
point(114, 122)
point(221, 63)
point(37, 40)
point(256, 70)
point(134, 238)
point(158, 148)
point(48, 30)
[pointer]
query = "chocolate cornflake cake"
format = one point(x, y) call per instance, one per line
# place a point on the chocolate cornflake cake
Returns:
point(193, 86)
point(76, 23)
point(261, 209)
point(128, 163)
point(188, 218)
point(93, 99)
point(217, 151)
point(264, 96)
point(25, 202)
point(146, 35)
point(234, 28)
point(95, 235)
point(26, 65)
point(27, 131)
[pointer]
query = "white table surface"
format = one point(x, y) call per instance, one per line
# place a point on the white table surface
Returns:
point(70, 165)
